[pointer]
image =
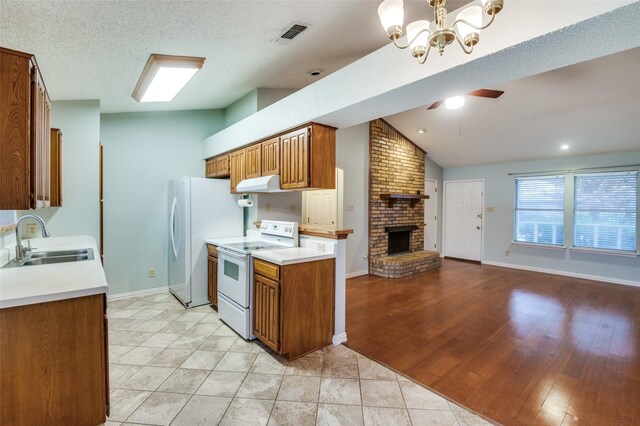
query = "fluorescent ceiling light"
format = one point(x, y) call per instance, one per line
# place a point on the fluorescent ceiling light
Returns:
point(164, 76)
point(454, 102)
point(564, 147)
point(421, 131)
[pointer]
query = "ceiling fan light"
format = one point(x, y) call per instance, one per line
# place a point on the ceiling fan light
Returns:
point(391, 13)
point(473, 15)
point(454, 102)
point(418, 35)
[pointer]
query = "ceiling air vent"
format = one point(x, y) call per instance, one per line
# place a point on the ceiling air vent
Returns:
point(293, 32)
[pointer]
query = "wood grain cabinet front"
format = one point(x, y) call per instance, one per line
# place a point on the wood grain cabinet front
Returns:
point(24, 132)
point(56, 168)
point(294, 306)
point(55, 363)
point(212, 282)
point(217, 167)
point(308, 158)
point(270, 157)
point(237, 168)
point(253, 163)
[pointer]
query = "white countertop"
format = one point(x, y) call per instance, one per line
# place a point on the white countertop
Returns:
point(230, 240)
point(289, 256)
point(27, 285)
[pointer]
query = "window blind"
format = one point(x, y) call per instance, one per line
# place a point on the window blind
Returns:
point(606, 210)
point(539, 210)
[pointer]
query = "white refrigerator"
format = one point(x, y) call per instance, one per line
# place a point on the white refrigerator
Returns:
point(198, 209)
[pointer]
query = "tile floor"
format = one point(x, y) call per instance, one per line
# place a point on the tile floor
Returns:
point(169, 365)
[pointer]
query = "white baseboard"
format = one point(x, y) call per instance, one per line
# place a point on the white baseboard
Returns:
point(563, 273)
point(145, 292)
point(340, 338)
point(356, 274)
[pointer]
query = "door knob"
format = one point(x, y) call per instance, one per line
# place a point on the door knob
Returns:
point(477, 227)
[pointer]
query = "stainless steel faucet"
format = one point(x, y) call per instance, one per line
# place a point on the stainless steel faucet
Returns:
point(20, 251)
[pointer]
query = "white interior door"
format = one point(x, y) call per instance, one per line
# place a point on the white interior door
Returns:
point(430, 215)
point(320, 208)
point(463, 219)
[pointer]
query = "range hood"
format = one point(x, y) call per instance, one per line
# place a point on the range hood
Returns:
point(261, 184)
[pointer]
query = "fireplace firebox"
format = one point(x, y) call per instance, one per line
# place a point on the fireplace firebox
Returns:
point(399, 238)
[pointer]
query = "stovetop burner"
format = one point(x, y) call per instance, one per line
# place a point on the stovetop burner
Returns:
point(249, 246)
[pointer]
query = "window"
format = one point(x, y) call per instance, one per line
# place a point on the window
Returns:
point(606, 210)
point(7, 217)
point(539, 210)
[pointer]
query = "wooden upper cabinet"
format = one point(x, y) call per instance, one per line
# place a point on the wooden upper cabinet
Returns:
point(210, 168)
point(237, 171)
point(217, 167)
point(56, 168)
point(253, 161)
point(24, 133)
point(308, 158)
point(222, 166)
point(270, 157)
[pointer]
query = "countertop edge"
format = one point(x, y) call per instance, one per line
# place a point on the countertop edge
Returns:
point(283, 262)
point(46, 298)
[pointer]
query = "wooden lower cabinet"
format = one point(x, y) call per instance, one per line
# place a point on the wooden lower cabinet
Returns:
point(54, 363)
point(294, 306)
point(212, 267)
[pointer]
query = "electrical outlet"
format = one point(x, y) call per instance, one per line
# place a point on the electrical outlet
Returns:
point(32, 230)
point(267, 207)
point(152, 273)
point(320, 247)
point(292, 207)
point(349, 207)
point(364, 258)
point(506, 252)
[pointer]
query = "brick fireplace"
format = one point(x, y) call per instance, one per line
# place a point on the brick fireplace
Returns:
point(396, 210)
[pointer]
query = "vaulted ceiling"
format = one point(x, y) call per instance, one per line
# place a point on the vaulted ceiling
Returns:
point(97, 49)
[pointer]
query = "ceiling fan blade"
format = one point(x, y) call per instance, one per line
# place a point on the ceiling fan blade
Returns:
point(435, 105)
point(486, 93)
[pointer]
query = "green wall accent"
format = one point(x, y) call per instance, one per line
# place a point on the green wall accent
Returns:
point(142, 152)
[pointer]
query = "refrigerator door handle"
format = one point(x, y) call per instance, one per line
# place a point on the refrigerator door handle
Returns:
point(172, 225)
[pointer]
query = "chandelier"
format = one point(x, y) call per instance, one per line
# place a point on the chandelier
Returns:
point(422, 35)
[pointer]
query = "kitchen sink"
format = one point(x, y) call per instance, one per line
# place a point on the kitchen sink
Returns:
point(45, 254)
point(49, 257)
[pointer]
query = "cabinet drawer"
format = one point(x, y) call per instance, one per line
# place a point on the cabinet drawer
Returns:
point(213, 250)
point(266, 269)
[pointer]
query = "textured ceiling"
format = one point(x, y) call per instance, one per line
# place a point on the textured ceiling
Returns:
point(97, 49)
point(592, 106)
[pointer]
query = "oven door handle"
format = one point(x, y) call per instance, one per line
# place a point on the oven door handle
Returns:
point(231, 254)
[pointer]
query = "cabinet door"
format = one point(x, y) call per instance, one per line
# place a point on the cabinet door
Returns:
point(253, 162)
point(222, 166)
point(271, 157)
point(56, 168)
point(16, 89)
point(46, 158)
point(236, 168)
point(212, 292)
point(266, 311)
point(294, 160)
point(210, 168)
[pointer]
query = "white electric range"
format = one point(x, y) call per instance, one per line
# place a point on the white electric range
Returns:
point(235, 272)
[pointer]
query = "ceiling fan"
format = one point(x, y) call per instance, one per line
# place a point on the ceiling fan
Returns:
point(483, 93)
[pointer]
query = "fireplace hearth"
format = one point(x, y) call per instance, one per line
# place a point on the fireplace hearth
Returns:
point(399, 238)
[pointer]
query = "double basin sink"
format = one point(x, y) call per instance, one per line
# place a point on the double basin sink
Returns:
point(48, 257)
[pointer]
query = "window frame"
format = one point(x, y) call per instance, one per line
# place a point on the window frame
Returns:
point(515, 240)
point(604, 250)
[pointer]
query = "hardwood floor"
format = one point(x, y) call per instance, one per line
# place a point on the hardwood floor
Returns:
point(519, 347)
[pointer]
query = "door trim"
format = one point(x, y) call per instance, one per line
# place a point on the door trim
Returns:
point(435, 181)
point(444, 214)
